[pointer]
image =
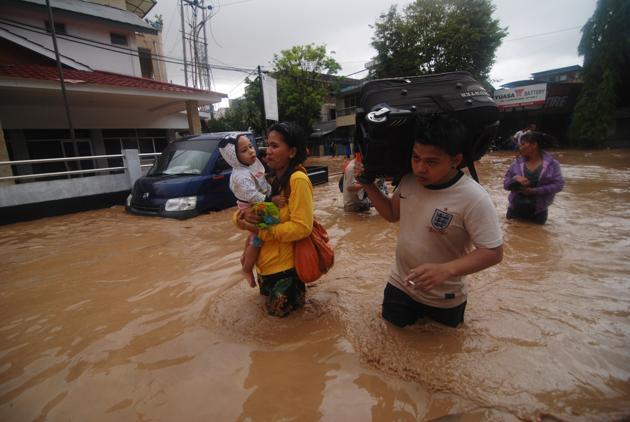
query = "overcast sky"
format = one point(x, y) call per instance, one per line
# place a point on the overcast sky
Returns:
point(543, 34)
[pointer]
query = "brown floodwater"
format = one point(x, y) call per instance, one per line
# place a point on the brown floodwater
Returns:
point(109, 316)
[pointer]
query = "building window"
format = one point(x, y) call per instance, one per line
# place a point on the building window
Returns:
point(351, 100)
point(60, 28)
point(146, 62)
point(118, 39)
point(332, 114)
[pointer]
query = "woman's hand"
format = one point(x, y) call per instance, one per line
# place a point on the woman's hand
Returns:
point(528, 191)
point(279, 200)
point(522, 180)
point(427, 276)
point(247, 220)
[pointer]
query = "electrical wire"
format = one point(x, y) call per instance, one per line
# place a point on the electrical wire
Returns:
point(131, 52)
point(115, 49)
point(179, 61)
point(354, 73)
point(239, 84)
point(543, 33)
point(235, 3)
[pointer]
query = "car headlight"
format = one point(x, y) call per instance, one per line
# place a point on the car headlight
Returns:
point(129, 200)
point(181, 204)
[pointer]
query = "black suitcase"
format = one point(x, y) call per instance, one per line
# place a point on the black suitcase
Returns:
point(388, 109)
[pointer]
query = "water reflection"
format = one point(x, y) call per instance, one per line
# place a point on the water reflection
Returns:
point(281, 391)
point(145, 318)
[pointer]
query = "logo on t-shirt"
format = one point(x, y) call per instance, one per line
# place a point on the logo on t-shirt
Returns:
point(441, 219)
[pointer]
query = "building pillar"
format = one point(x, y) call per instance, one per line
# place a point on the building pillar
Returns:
point(98, 147)
point(192, 111)
point(5, 170)
point(20, 151)
point(132, 164)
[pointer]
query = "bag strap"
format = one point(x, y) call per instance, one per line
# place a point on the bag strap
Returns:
point(471, 167)
point(286, 189)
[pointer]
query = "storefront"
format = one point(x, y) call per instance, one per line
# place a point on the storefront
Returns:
point(549, 105)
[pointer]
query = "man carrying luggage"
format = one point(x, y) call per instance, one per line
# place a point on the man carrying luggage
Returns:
point(448, 228)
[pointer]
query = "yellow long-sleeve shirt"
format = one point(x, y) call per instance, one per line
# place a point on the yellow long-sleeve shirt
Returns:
point(296, 222)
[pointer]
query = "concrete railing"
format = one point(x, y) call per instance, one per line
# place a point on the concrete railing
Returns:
point(52, 190)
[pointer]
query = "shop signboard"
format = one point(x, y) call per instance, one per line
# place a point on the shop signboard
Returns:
point(522, 96)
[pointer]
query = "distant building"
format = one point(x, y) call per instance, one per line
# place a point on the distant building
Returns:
point(328, 133)
point(547, 100)
point(562, 74)
point(115, 82)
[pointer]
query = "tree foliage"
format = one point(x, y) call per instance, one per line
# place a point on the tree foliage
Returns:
point(434, 36)
point(605, 45)
point(305, 79)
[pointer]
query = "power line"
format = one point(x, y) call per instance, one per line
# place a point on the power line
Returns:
point(543, 33)
point(508, 40)
point(354, 73)
point(235, 3)
point(239, 84)
point(108, 47)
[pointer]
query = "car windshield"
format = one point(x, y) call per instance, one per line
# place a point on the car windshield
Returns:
point(184, 158)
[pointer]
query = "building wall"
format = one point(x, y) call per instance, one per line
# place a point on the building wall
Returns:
point(154, 43)
point(102, 56)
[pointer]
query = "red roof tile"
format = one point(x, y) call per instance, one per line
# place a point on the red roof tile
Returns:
point(97, 77)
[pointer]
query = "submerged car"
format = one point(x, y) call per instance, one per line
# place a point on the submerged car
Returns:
point(191, 177)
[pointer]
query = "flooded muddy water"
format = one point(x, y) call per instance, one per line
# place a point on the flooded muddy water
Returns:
point(106, 316)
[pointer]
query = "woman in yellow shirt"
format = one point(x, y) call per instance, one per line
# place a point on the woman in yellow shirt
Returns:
point(286, 151)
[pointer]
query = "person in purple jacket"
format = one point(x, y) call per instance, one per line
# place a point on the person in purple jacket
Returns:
point(533, 180)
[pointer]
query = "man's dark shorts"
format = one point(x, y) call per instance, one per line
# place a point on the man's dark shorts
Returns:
point(401, 310)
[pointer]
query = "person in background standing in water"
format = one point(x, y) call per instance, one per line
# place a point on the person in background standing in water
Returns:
point(533, 180)
point(518, 135)
point(286, 151)
point(354, 197)
point(448, 228)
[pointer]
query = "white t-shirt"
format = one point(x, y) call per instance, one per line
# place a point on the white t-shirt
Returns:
point(356, 199)
point(439, 225)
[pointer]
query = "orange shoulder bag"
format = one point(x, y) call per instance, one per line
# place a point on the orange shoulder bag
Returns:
point(312, 256)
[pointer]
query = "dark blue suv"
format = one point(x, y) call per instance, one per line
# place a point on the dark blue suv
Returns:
point(189, 178)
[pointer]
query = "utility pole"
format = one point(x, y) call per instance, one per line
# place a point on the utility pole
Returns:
point(198, 49)
point(205, 47)
point(51, 23)
point(262, 103)
point(181, 13)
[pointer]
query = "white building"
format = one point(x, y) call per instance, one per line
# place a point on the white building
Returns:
point(115, 82)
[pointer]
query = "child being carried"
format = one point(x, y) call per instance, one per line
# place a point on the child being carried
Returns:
point(251, 189)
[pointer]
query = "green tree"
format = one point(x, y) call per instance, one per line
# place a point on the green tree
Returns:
point(605, 45)
point(304, 75)
point(243, 113)
point(434, 36)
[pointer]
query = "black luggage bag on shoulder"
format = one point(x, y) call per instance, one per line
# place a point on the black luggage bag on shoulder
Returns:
point(388, 110)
